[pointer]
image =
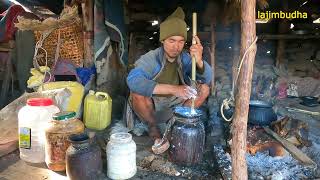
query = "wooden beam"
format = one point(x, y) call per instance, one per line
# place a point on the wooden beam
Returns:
point(283, 28)
point(132, 51)
point(7, 45)
point(287, 36)
point(226, 35)
point(243, 91)
point(2, 49)
point(299, 155)
point(87, 9)
point(281, 43)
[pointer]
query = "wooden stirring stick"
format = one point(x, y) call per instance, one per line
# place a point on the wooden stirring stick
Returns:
point(193, 72)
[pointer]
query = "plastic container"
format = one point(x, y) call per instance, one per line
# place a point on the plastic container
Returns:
point(83, 158)
point(97, 110)
point(32, 119)
point(77, 92)
point(121, 156)
point(57, 133)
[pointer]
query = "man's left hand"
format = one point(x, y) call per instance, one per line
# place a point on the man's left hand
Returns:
point(196, 50)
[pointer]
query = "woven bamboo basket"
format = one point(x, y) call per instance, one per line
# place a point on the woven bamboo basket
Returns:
point(71, 46)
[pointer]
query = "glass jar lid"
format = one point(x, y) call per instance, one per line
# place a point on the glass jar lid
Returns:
point(64, 115)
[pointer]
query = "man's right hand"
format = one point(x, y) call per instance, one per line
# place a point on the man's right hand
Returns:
point(185, 92)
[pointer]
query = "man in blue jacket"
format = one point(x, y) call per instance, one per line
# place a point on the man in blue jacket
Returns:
point(161, 77)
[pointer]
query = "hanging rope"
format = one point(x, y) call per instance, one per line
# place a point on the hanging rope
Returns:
point(226, 103)
point(38, 46)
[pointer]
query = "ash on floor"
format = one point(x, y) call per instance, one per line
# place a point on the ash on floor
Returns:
point(262, 166)
point(161, 164)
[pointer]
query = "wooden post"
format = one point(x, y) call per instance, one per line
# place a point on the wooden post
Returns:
point(213, 54)
point(282, 28)
point(239, 129)
point(132, 51)
point(280, 45)
point(87, 9)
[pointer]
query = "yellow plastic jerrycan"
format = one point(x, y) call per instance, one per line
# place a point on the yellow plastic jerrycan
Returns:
point(97, 110)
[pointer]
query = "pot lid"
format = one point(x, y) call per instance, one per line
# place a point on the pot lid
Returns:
point(258, 103)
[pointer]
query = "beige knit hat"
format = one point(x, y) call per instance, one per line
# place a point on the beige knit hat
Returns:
point(174, 25)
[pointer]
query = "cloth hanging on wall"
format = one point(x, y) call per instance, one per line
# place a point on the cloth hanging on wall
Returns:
point(109, 25)
point(25, 42)
point(7, 20)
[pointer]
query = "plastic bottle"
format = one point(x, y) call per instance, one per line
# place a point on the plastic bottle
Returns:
point(121, 156)
point(32, 119)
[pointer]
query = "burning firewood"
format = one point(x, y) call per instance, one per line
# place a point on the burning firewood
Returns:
point(259, 141)
point(294, 130)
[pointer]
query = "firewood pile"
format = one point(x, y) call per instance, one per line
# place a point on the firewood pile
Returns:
point(267, 158)
point(259, 141)
point(294, 130)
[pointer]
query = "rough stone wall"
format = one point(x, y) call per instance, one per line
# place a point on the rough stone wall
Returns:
point(298, 68)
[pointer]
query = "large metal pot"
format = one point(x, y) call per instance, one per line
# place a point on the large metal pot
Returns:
point(261, 113)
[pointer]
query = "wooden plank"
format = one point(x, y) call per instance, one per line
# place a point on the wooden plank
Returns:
point(296, 153)
point(313, 113)
point(88, 20)
point(8, 147)
point(7, 45)
point(3, 49)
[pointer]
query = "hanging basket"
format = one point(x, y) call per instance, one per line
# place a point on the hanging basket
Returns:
point(71, 46)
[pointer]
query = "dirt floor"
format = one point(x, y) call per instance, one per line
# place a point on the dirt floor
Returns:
point(12, 168)
point(150, 166)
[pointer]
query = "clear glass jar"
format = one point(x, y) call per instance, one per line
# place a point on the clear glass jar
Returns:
point(121, 156)
point(57, 132)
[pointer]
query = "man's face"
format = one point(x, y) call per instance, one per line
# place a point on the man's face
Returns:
point(173, 46)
